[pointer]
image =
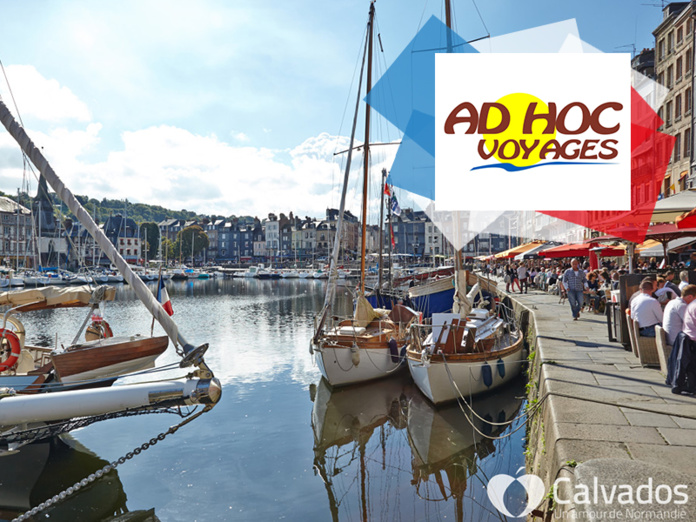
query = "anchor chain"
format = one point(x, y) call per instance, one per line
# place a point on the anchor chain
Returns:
point(106, 469)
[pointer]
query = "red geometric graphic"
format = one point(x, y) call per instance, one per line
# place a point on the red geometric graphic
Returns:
point(650, 154)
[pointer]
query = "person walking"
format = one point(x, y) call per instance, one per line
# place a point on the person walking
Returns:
point(573, 282)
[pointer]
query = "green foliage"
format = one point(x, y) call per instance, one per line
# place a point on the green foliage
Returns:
point(152, 233)
point(186, 236)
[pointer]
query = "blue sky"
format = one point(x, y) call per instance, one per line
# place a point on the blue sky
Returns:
point(229, 107)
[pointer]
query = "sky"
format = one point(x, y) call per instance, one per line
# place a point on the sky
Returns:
point(231, 107)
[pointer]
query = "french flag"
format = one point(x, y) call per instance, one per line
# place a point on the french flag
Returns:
point(163, 298)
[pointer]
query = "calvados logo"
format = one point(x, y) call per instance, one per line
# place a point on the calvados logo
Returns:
point(533, 132)
point(532, 484)
point(523, 132)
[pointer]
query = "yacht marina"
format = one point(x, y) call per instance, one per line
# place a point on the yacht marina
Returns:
point(282, 443)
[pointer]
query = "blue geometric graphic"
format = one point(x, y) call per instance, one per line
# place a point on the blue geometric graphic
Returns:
point(405, 96)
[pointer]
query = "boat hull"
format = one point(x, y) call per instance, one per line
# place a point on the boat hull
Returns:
point(108, 358)
point(336, 364)
point(466, 371)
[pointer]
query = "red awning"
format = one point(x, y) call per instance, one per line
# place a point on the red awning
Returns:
point(581, 250)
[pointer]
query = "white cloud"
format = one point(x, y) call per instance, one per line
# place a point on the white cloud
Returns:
point(176, 168)
point(240, 137)
point(41, 98)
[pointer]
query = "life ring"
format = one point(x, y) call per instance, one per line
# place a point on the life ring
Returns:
point(15, 349)
point(99, 329)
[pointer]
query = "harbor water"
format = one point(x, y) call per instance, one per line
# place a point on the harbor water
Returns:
point(281, 445)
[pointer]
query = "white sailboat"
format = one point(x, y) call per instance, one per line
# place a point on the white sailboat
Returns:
point(370, 344)
point(26, 416)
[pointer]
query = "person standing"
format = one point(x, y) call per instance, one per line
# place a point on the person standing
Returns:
point(573, 281)
point(522, 275)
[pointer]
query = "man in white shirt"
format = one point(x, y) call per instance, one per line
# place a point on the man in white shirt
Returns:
point(646, 310)
point(673, 318)
point(522, 275)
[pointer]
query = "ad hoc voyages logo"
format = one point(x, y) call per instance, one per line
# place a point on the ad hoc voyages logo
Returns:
point(517, 130)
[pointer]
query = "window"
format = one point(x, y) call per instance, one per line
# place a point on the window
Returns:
point(670, 76)
point(128, 251)
point(687, 61)
point(670, 42)
point(661, 78)
point(679, 69)
point(661, 49)
point(128, 242)
point(668, 114)
point(677, 107)
point(121, 240)
point(688, 27)
point(680, 36)
point(687, 101)
point(677, 147)
point(687, 143)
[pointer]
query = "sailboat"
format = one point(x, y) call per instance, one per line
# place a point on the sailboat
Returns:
point(472, 350)
point(370, 344)
point(27, 417)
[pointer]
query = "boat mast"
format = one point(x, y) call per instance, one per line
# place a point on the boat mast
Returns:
point(366, 161)
point(333, 273)
point(381, 227)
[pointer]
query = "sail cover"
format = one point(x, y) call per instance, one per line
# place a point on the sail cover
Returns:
point(56, 297)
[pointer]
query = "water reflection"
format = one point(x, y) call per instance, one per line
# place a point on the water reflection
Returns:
point(383, 450)
point(266, 452)
point(40, 471)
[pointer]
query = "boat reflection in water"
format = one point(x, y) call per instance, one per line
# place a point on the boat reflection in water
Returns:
point(41, 470)
point(385, 452)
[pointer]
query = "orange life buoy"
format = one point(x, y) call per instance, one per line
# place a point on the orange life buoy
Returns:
point(99, 329)
point(15, 349)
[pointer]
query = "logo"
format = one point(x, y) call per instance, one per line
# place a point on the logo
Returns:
point(532, 484)
point(667, 499)
point(533, 131)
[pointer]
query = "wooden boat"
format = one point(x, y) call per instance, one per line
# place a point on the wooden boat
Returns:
point(109, 357)
point(465, 353)
point(27, 416)
point(91, 363)
point(368, 345)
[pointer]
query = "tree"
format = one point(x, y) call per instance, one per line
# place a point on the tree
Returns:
point(183, 241)
point(150, 231)
point(168, 249)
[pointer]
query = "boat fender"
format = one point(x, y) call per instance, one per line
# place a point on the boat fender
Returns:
point(393, 350)
point(15, 349)
point(501, 368)
point(355, 354)
point(487, 374)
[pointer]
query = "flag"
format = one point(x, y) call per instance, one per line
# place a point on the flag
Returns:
point(391, 235)
point(395, 208)
point(386, 190)
point(163, 297)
